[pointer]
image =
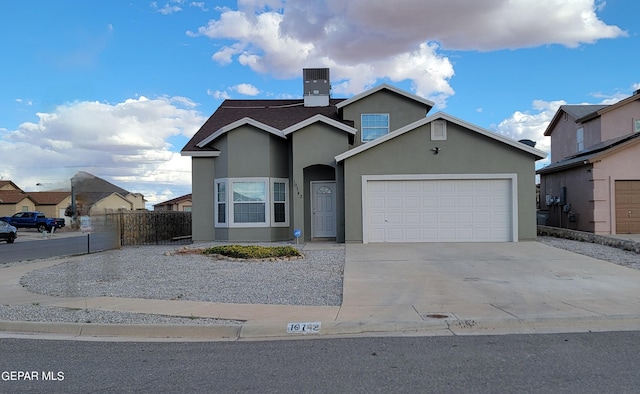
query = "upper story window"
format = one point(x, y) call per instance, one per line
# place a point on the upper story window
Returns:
point(374, 126)
point(580, 139)
point(636, 125)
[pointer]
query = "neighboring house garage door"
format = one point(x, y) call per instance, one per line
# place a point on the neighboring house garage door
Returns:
point(627, 207)
point(438, 210)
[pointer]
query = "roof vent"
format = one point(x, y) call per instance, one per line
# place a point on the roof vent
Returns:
point(529, 143)
point(636, 92)
point(316, 87)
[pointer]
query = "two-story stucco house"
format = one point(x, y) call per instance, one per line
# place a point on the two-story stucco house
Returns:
point(372, 168)
point(593, 182)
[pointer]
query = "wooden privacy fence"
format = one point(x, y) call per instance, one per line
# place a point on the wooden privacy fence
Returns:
point(148, 227)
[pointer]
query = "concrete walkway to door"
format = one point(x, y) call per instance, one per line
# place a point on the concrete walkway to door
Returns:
point(496, 287)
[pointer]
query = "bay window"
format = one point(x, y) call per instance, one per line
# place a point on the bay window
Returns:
point(251, 202)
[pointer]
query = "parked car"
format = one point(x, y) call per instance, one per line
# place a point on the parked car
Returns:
point(8, 232)
point(35, 220)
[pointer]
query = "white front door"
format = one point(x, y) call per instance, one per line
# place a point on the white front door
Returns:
point(323, 209)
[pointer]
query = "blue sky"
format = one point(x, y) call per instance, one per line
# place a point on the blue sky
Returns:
point(116, 88)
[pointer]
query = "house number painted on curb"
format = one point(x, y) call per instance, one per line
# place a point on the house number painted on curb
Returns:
point(305, 328)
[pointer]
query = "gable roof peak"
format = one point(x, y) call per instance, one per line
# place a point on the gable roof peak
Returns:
point(385, 86)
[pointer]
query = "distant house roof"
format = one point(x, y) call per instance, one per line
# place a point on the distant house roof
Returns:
point(267, 114)
point(607, 108)
point(177, 200)
point(49, 198)
point(14, 196)
point(592, 154)
point(90, 189)
point(5, 183)
point(576, 111)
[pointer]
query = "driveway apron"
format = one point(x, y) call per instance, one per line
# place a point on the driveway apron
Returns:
point(524, 280)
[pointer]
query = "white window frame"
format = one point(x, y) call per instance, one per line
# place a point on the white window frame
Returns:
point(439, 130)
point(580, 139)
point(216, 202)
point(273, 202)
point(362, 127)
point(267, 202)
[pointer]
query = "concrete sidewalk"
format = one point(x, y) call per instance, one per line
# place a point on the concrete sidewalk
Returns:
point(393, 290)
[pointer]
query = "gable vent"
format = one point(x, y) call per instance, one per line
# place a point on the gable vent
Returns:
point(316, 87)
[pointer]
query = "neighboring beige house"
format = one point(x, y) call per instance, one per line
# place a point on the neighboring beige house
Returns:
point(114, 202)
point(376, 167)
point(94, 195)
point(8, 185)
point(178, 204)
point(14, 201)
point(52, 204)
point(593, 181)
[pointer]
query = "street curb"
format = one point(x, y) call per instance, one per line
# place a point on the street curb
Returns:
point(147, 331)
point(278, 330)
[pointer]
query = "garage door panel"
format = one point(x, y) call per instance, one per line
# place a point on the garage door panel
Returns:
point(465, 210)
point(464, 202)
point(410, 219)
point(464, 218)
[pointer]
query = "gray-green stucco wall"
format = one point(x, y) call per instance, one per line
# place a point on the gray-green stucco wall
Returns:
point(402, 110)
point(464, 152)
point(202, 175)
point(313, 148)
point(244, 152)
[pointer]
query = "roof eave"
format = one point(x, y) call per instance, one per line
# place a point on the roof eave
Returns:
point(236, 124)
point(441, 115)
point(319, 118)
point(192, 153)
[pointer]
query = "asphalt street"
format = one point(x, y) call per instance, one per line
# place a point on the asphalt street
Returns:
point(32, 245)
point(575, 363)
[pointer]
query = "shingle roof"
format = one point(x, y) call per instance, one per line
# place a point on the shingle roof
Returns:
point(5, 183)
point(49, 198)
point(279, 114)
point(587, 155)
point(90, 189)
point(579, 111)
point(186, 197)
point(13, 196)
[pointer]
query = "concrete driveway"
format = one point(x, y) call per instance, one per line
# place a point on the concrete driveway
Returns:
point(466, 283)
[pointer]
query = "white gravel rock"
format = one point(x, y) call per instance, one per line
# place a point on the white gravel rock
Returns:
point(149, 272)
point(152, 272)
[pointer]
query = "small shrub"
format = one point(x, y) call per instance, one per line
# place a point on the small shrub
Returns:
point(253, 251)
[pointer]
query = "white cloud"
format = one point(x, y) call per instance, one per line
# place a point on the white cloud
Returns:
point(199, 4)
point(246, 89)
point(364, 41)
point(218, 94)
point(532, 124)
point(168, 8)
point(125, 141)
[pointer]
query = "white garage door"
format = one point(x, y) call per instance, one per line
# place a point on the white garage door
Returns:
point(437, 210)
